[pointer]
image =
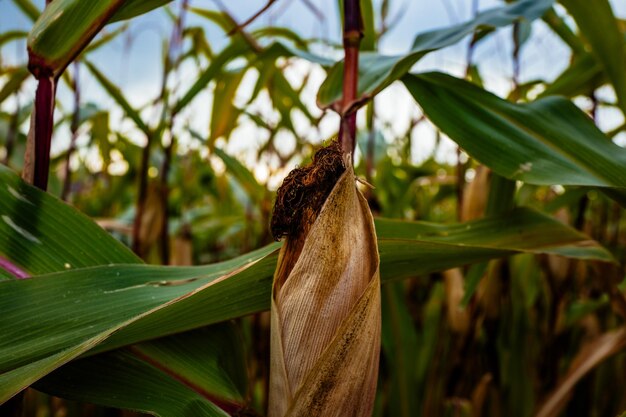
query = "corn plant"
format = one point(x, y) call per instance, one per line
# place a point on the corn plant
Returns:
point(396, 290)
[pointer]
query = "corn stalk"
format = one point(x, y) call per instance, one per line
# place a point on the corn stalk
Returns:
point(325, 316)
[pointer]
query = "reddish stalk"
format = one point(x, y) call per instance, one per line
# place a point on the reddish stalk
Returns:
point(44, 112)
point(352, 34)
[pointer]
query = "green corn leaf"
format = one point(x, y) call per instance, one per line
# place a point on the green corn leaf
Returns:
point(243, 175)
point(224, 114)
point(117, 95)
point(192, 373)
point(378, 71)
point(132, 8)
point(232, 51)
point(582, 77)
point(598, 25)
point(66, 27)
point(549, 141)
point(558, 25)
point(104, 307)
point(42, 234)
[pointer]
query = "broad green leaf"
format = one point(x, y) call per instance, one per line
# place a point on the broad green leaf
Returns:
point(378, 71)
point(66, 27)
point(419, 247)
point(203, 367)
point(109, 306)
point(125, 381)
point(598, 25)
point(549, 141)
point(28, 8)
point(41, 234)
point(117, 95)
point(95, 304)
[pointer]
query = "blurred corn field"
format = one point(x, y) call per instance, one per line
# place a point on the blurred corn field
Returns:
point(136, 257)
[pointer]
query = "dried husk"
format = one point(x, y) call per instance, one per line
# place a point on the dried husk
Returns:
point(325, 317)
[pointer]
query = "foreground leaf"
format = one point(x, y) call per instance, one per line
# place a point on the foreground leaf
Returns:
point(41, 234)
point(115, 305)
point(549, 141)
point(190, 372)
point(66, 27)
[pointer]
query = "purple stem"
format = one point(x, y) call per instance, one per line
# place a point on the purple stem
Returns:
point(44, 112)
point(12, 269)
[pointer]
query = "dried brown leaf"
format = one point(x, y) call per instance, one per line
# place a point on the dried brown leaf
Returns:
point(587, 359)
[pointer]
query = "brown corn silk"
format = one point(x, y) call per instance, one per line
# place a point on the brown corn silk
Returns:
point(326, 297)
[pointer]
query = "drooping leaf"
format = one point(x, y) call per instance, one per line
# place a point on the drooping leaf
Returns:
point(230, 52)
point(225, 113)
point(17, 76)
point(66, 27)
point(132, 8)
point(29, 8)
point(549, 141)
point(11, 35)
point(582, 77)
point(107, 299)
point(191, 372)
point(118, 96)
point(378, 71)
point(598, 25)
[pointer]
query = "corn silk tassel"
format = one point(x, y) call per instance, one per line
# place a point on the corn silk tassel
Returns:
point(325, 335)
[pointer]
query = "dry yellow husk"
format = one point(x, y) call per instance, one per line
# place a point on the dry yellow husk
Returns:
point(325, 317)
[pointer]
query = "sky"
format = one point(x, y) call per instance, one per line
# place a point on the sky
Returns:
point(133, 60)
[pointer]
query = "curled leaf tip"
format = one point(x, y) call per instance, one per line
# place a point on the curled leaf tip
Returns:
point(304, 191)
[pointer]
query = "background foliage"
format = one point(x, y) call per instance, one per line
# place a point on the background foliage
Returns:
point(502, 261)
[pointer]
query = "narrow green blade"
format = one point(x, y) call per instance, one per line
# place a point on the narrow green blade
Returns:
point(549, 141)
